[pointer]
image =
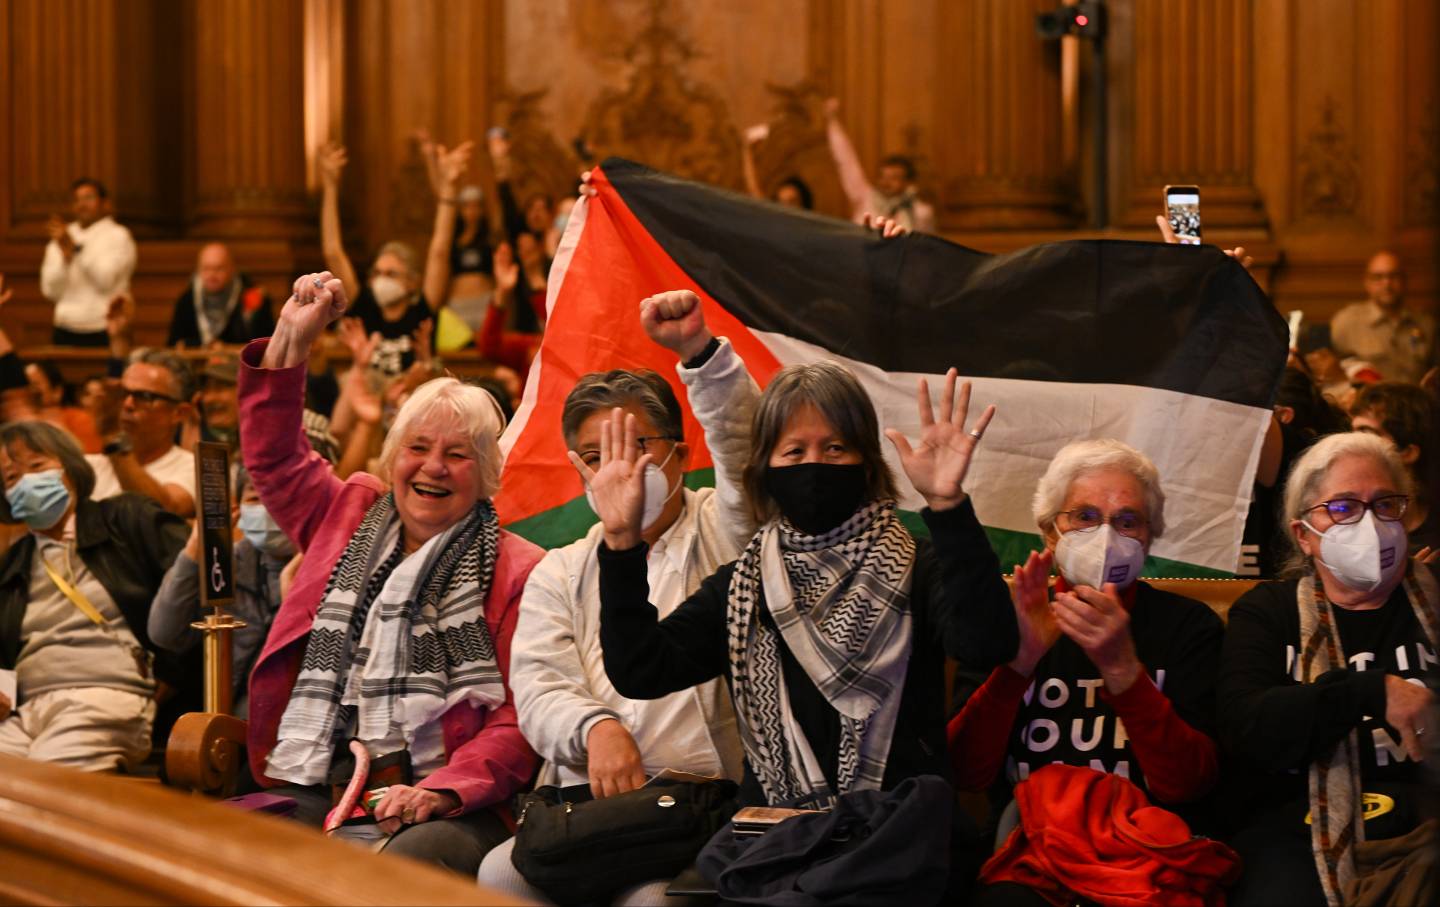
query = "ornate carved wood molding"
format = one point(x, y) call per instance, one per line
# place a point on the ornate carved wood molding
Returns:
point(663, 116)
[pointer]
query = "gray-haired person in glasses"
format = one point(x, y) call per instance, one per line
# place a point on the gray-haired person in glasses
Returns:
point(1112, 674)
point(1322, 684)
point(139, 453)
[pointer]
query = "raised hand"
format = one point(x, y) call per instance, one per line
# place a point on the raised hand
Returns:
point(676, 321)
point(1426, 555)
point(332, 161)
point(1099, 624)
point(351, 332)
point(832, 108)
point(937, 465)
point(507, 269)
point(886, 227)
point(450, 165)
point(1167, 233)
point(1030, 593)
point(316, 300)
point(424, 343)
point(618, 486)
point(4, 293)
point(120, 315)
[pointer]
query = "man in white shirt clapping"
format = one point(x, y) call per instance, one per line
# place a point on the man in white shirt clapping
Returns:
point(87, 263)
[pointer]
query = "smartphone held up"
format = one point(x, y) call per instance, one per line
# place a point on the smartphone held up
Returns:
point(1182, 209)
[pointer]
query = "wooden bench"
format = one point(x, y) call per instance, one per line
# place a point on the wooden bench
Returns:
point(69, 837)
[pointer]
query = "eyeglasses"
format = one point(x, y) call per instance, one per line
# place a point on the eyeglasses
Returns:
point(1088, 519)
point(591, 457)
point(147, 398)
point(1390, 508)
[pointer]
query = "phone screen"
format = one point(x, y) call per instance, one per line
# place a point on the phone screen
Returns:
point(1182, 207)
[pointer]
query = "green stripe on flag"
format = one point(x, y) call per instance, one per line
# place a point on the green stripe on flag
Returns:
point(562, 525)
point(559, 526)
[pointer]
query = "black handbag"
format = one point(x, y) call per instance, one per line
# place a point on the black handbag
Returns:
point(578, 849)
point(873, 849)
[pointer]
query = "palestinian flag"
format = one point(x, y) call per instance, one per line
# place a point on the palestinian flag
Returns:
point(1173, 349)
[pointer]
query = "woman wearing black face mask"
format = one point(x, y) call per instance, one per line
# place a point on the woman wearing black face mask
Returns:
point(833, 625)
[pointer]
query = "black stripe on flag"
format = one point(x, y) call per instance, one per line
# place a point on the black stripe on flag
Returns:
point(1179, 318)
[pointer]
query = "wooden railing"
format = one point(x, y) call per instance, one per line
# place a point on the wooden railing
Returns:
point(68, 837)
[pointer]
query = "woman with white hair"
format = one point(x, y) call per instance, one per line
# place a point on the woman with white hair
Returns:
point(384, 675)
point(1322, 692)
point(1112, 674)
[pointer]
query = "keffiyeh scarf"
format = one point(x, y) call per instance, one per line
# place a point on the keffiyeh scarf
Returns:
point(1337, 822)
point(397, 641)
point(842, 603)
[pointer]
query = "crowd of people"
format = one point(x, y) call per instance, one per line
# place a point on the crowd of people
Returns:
point(409, 667)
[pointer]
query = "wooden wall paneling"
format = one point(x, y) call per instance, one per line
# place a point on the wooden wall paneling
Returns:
point(415, 64)
point(324, 63)
point(846, 58)
point(1192, 97)
point(1418, 108)
point(908, 83)
point(998, 119)
point(150, 113)
point(249, 123)
point(63, 108)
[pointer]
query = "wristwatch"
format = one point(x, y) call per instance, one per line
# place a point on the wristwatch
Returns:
point(120, 444)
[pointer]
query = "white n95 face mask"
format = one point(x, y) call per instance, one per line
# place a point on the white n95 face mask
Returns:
point(1363, 555)
point(386, 290)
point(657, 492)
point(1099, 556)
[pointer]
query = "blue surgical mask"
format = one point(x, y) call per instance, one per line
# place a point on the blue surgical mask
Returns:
point(262, 531)
point(40, 499)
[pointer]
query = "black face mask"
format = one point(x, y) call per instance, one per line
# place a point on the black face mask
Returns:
point(817, 497)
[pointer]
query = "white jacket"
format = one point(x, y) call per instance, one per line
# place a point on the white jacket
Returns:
point(557, 671)
point(82, 288)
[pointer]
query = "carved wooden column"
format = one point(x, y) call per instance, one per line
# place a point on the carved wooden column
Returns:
point(249, 125)
point(1193, 95)
point(998, 119)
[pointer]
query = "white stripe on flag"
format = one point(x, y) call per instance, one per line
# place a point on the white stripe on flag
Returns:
point(1206, 450)
point(559, 267)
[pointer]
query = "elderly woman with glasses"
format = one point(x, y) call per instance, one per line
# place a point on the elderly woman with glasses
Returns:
point(383, 685)
point(1112, 674)
point(1322, 692)
point(74, 595)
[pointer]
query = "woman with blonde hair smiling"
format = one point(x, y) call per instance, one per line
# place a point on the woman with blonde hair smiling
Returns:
point(393, 646)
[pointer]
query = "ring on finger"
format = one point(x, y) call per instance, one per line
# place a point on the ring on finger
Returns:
point(319, 284)
point(407, 815)
point(976, 433)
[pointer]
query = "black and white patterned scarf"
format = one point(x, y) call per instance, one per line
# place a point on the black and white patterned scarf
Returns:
point(1337, 821)
point(842, 603)
point(396, 642)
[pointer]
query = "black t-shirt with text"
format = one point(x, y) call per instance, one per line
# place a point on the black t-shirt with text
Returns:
point(397, 346)
point(1389, 640)
point(1063, 718)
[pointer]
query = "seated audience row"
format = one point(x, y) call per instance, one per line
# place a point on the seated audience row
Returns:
point(409, 666)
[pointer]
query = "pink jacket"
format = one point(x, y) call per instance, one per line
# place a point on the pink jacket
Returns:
point(487, 759)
